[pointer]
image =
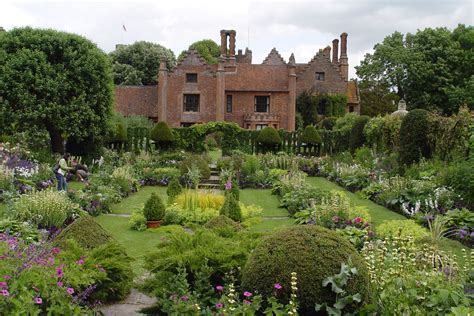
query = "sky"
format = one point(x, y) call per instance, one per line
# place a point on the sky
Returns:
point(299, 27)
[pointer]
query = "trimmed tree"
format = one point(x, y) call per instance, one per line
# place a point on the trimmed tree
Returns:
point(414, 137)
point(269, 138)
point(310, 136)
point(55, 81)
point(154, 209)
point(231, 208)
point(162, 135)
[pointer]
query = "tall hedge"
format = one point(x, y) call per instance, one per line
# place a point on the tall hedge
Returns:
point(414, 143)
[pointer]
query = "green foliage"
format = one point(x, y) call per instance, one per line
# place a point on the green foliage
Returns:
point(231, 208)
point(301, 198)
point(460, 176)
point(55, 81)
point(401, 228)
point(414, 137)
point(460, 218)
point(137, 220)
point(430, 69)
point(310, 136)
point(357, 133)
point(376, 98)
point(113, 259)
point(86, 232)
point(174, 189)
point(154, 209)
point(195, 161)
point(269, 136)
point(312, 106)
point(139, 63)
point(47, 208)
point(161, 133)
point(120, 134)
point(314, 253)
point(383, 133)
point(328, 122)
point(223, 226)
point(207, 49)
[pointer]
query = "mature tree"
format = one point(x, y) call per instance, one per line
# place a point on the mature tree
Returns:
point(138, 64)
point(431, 69)
point(55, 81)
point(376, 98)
point(208, 49)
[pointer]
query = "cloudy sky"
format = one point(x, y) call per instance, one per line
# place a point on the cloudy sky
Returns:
point(301, 27)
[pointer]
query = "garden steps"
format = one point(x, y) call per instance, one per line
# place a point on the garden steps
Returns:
point(130, 306)
point(214, 181)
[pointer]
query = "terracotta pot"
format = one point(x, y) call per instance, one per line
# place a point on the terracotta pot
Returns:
point(153, 224)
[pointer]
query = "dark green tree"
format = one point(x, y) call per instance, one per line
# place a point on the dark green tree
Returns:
point(55, 81)
point(208, 49)
point(310, 136)
point(414, 143)
point(376, 98)
point(231, 207)
point(313, 106)
point(162, 135)
point(143, 60)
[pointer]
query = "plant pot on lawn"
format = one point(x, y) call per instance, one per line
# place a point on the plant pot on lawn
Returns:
point(154, 211)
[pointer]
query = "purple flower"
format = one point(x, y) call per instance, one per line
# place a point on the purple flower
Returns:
point(472, 234)
point(60, 284)
point(7, 277)
point(336, 219)
point(219, 288)
point(59, 272)
point(81, 261)
point(3, 285)
point(277, 286)
point(38, 300)
point(246, 302)
point(247, 294)
point(55, 250)
point(70, 290)
point(184, 298)
point(219, 305)
point(5, 293)
point(228, 185)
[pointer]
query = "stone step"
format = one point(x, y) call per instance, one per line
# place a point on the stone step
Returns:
point(203, 185)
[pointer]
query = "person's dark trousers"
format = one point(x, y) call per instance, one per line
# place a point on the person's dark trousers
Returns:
point(62, 184)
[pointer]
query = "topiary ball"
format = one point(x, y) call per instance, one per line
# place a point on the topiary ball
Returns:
point(314, 253)
point(269, 136)
point(86, 232)
point(414, 137)
point(161, 133)
point(310, 136)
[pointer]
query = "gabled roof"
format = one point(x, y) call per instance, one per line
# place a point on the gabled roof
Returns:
point(323, 56)
point(192, 58)
point(352, 92)
point(274, 58)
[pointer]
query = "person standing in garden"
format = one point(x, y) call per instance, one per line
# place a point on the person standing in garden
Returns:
point(60, 171)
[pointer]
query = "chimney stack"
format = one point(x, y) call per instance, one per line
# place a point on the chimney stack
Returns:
point(344, 45)
point(335, 51)
point(231, 43)
point(343, 60)
point(223, 43)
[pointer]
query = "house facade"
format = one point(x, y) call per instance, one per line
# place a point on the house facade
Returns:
point(235, 90)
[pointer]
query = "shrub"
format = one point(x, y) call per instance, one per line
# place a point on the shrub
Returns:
point(114, 261)
point(231, 208)
point(123, 178)
point(401, 228)
point(461, 178)
point(414, 137)
point(269, 136)
point(191, 200)
point(314, 253)
point(196, 161)
point(154, 209)
point(328, 123)
point(223, 226)
point(46, 208)
point(357, 134)
point(86, 232)
point(120, 133)
point(174, 189)
point(310, 136)
point(162, 134)
point(137, 220)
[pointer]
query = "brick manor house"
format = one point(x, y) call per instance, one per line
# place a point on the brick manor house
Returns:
point(235, 90)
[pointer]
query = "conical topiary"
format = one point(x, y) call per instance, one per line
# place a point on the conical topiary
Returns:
point(154, 209)
point(231, 208)
point(310, 136)
point(269, 136)
point(162, 134)
point(174, 189)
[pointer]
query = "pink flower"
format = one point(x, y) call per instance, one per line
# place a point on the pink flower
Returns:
point(80, 262)
point(335, 219)
point(247, 302)
point(5, 293)
point(60, 284)
point(56, 250)
point(228, 185)
point(277, 286)
point(247, 294)
point(59, 272)
point(38, 300)
point(7, 277)
point(219, 288)
point(357, 220)
point(3, 285)
point(51, 260)
point(184, 298)
point(70, 290)
point(219, 305)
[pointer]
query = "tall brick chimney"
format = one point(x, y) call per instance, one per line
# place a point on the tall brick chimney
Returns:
point(223, 43)
point(343, 60)
point(232, 34)
point(335, 51)
point(162, 90)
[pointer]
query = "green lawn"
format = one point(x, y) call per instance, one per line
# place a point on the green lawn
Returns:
point(215, 154)
point(138, 199)
point(379, 213)
point(268, 225)
point(265, 199)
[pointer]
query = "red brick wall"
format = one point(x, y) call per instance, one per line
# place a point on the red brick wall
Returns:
point(137, 100)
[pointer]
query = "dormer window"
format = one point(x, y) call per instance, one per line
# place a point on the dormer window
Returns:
point(320, 76)
point(191, 78)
